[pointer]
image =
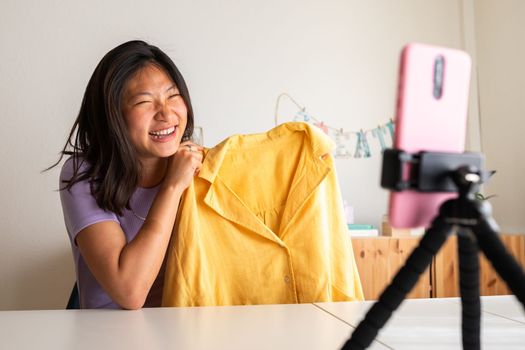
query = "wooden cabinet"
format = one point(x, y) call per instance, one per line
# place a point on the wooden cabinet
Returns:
point(379, 258)
point(445, 268)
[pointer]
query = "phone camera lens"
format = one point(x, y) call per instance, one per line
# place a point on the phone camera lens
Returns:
point(439, 63)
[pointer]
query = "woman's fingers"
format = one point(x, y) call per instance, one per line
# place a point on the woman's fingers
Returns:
point(195, 151)
point(190, 156)
point(190, 146)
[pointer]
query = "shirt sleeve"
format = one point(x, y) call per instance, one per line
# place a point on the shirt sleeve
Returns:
point(78, 204)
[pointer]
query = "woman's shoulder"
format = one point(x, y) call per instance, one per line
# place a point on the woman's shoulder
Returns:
point(69, 166)
point(79, 206)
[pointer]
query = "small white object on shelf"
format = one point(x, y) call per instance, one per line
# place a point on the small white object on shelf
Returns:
point(389, 231)
point(372, 232)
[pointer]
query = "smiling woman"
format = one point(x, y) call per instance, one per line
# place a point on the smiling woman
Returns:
point(154, 112)
point(129, 163)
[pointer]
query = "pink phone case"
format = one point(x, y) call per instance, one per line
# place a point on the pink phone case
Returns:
point(425, 122)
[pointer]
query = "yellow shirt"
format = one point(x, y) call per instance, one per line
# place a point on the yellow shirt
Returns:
point(263, 223)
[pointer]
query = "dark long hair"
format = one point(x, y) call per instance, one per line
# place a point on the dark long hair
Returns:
point(99, 136)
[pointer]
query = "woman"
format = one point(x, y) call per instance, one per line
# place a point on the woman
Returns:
point(130, 163)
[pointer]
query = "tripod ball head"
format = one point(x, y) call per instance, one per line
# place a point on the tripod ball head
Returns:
point(467, 178)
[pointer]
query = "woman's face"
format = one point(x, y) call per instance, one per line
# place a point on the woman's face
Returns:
point(154, 112)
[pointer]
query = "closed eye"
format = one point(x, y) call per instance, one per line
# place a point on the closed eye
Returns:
point(174, 95)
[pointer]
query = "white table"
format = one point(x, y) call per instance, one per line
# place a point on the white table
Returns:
point(436, 323)
point(422, 323)
point(238, 327)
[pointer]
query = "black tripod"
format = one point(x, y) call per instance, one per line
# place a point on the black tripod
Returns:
point(475, 227)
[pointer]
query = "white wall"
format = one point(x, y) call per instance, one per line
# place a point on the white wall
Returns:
point(337, 57)
point(500, 36)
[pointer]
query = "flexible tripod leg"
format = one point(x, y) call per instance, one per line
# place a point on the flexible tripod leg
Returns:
point(402, 283)
point(469, 289)
point(504, 264)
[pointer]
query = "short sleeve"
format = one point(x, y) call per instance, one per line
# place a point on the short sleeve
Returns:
point(78, 204)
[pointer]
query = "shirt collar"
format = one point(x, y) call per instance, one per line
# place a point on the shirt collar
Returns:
point(319, 142)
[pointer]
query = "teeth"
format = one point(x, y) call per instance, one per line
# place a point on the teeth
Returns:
point(163, 132)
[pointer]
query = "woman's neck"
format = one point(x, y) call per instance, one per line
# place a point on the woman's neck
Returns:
point(153, 171)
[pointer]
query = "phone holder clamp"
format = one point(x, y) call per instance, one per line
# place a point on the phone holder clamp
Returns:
point(428, 171)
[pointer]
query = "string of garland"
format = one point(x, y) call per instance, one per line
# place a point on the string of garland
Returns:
point(349, 144)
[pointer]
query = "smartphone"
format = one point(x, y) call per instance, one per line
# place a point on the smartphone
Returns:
point(431, 115)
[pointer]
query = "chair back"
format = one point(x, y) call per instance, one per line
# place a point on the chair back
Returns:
point(74, 300)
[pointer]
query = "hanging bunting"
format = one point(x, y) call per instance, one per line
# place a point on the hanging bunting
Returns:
point(342, 143)
point(390, 127)
point(348, 144)
point(379, 133)
point(362, 149)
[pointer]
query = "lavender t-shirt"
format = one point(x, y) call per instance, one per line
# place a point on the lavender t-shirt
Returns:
point(80, 211)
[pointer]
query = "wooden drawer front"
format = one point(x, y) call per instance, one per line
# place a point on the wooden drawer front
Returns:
point(445, 271)
point(378, 260)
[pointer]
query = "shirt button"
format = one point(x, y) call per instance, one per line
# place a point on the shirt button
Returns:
point(286, 279)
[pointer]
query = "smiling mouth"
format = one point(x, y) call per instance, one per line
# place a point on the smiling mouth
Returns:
point(162, 133)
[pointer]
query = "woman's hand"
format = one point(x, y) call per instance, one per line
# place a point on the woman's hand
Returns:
point(183, 165)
